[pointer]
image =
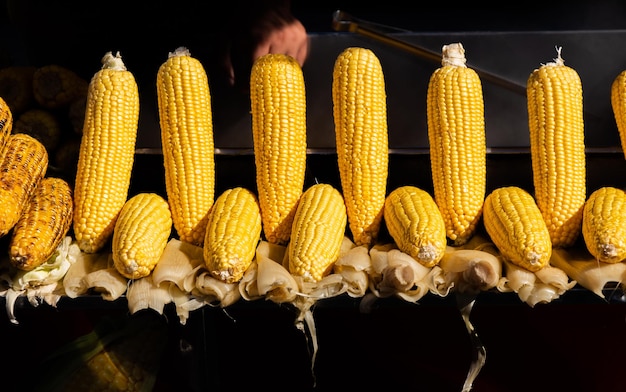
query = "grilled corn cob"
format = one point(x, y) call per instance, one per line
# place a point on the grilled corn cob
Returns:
point(555, 118)
point(515, 224)
point(232, 235)
point(107, 153)
point(318, 230)
point(41, 124)
point(186, 120)
point(456, 134)
point(278, 102)
point(6, 122)
point(416, 224)
point(45, 221)
point(23, 164)
point(16, 87)
point(360, 116)
point(55, 86)
point(141, 233)
point(604, 224)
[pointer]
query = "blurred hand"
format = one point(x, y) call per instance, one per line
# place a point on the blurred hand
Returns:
point(272, 32)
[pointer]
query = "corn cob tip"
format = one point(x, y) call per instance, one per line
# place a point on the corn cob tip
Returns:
point(558, 61)
point(180, 51)
point(453, 54)
point(109, 61)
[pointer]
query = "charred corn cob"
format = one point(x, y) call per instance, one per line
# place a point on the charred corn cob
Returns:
point(604, 224)
point(45, 221)
point(42, 125)
point(456, 134)
point(232, 235)
point(16, 87)
point(318, 230)
point(106, 154)
point(278, 103)
point(186, 120)
point(416, 224)
point(515, 224)
point(55, 86)
point(6, 122)
point(141, 233)
point(23, 164)
point(555, 118)
point(360, 116)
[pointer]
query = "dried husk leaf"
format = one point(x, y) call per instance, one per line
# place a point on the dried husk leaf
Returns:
point(178, 261)
point(588, 272)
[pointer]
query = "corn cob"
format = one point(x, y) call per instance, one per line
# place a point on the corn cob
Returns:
point(416, 224)
point(45, 221)
point(232, 235)
point(16, 87)
point(6, 122)
point(23, 164)
point(318, 230)
point(278, 103)
point(41, 124)
point(618, 104)
point(55, 86)
point(141, 233)
point(456, 133)
point(604, 224)
point(107, 153)
point(186, 122)
point(555, 118)
point(515, 224)
point(360, 116)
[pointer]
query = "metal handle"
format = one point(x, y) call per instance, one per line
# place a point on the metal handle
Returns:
point(343, 21)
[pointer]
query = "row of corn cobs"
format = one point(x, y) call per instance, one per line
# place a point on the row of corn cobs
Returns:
point(313, 222)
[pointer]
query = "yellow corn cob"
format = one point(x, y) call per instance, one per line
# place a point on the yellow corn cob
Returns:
point(55, 86)
point(23, 164)
point(456, 134)
point(278, 103)
point(604, 224)
point(6, 122)
point(318, 230)
point(41, 124)
point(107, 153)
point(141, 233)
point(45, 221)
point(360, 115)
point(555, 119)
point(186, 122)
point(16, 87)
point(515, 224)
point(618, 104)
point(232, 235)
point(416, 224)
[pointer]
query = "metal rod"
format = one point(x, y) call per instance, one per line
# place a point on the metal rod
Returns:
point(345, 22)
